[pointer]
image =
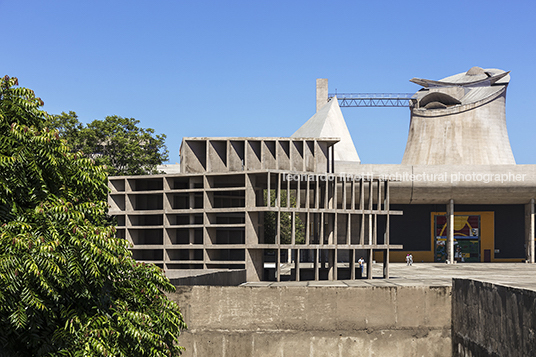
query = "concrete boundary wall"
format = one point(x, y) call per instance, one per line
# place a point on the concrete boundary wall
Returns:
point(316, 321)
point(492, 320)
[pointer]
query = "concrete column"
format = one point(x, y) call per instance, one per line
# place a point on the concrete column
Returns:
point(254, 264)
point(386, 236)
point(386, 264)
point(331, 264)
point(307, 227)
point(370, 258)
point(331, 228)
point(529, 231)
point(450, 232)
point(298, 194)
point(348, 228)
point(370, 216)
point(297, 264)
point(289, 255)
point(352, 264)
point(191, 232)
point(278, 264)
point(268, 192)
point(335, 267)
point(321, 92)
point(315, 265)
point(278, 229)
point(321, 239)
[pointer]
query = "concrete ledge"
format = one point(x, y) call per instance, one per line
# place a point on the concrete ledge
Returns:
point(392, 343)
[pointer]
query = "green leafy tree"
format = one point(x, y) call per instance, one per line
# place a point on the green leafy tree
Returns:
point(69, 128)
point(116, 142)
point(68, 286)
point(270, 222)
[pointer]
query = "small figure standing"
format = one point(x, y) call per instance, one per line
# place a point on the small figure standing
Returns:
point(361, 263)
point(409, 259)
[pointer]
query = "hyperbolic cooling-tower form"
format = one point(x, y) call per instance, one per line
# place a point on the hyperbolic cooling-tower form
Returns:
point(460, 120)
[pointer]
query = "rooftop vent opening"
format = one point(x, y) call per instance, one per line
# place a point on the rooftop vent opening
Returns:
point(437, 100)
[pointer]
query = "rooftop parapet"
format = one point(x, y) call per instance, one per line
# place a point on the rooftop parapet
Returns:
point(199, 155)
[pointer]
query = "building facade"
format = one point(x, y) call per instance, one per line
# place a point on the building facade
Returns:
point(304, 207)
point(255, 203)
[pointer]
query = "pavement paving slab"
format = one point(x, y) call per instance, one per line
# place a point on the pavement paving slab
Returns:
point(520, 275)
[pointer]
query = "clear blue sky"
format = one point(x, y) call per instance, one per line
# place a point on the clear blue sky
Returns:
point(248, 68)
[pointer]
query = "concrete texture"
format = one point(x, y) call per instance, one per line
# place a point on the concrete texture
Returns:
point(407, 315)
point(492, 320)
point(517, 275)
point(460, 120)
point(217, 220)
point(227, 154)
point(392, 343)
point(203, 277)
point(328, 122)
point(211, 215)
point(465, 184)
point(321, 93)
point(316, 321)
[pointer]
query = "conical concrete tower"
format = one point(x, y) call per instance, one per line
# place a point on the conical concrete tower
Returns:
point(460, 120)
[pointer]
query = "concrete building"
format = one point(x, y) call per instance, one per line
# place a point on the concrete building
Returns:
point(460, 120)
point(254, 203)
point(464, 199)
point(246, 203)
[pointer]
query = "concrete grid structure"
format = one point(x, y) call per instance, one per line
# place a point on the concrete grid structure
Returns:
point(218, 212)
point(463, 196)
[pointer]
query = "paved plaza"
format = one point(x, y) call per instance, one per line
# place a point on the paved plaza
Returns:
point(520, 275)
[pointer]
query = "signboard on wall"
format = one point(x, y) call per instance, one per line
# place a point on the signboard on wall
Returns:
point(466, 238)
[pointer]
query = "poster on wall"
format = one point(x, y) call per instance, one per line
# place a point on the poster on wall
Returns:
point(466, 238)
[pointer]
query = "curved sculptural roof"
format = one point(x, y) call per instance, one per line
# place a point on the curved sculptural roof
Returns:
point(477, 84)
point(477, 74)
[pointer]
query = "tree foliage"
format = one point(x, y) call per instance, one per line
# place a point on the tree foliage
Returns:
point(116, 142)
point(285, 233)
point(68, 286)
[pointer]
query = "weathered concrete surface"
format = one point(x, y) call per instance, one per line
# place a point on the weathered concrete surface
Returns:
point(437, 184)
point(457, 121)
point(204, 277)
point(328, 122)
point(492, 320)
point(321, 93)
point(326, 344)
point(518, 275)
point(316, 321)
